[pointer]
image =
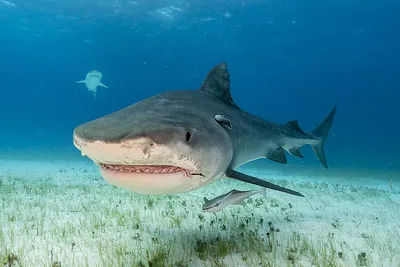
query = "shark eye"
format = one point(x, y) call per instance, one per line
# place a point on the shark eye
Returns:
point(188, 136)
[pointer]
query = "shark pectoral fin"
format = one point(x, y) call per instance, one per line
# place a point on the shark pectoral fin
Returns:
point(223, 121)
point(103, 85)
point(83, 81)
point(278, 155)
point(205, 199)
point(241, 202)
point(295, 151)
point(253, 180)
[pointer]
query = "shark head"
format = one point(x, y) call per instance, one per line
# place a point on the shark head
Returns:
point(167, 144)
point(93, 79)
point(94, 73)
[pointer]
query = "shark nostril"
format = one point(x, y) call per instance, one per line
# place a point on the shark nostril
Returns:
point(147, 145)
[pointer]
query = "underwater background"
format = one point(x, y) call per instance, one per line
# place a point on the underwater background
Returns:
point(287, 59)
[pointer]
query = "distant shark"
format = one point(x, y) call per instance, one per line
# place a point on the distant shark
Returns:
point(92, 81)
point(178, 141)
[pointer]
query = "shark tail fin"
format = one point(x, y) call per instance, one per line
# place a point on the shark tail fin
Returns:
point(321, 133)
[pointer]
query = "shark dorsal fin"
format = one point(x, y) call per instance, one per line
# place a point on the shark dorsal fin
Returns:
point(294, 125)
point(217, 83)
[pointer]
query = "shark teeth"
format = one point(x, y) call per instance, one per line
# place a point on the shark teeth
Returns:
point(158, 169)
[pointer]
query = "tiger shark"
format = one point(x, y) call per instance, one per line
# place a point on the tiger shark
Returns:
point(92, 81)
point(182, 140)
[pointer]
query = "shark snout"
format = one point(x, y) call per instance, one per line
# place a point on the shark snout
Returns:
point(79, 141)
point(125, 151)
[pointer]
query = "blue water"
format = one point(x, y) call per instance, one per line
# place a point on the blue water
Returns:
point(288, 60)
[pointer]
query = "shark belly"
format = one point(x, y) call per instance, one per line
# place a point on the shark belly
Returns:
point(92, 83)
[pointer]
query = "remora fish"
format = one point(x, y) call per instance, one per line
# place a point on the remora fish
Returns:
point(233, 197)
point(179, 141)
point(92, 81)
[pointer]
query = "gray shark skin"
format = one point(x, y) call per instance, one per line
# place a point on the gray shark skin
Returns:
point(179, 141)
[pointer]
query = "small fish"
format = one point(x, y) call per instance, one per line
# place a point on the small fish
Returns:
point(234, 197)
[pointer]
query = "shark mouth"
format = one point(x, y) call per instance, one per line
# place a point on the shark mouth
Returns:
point(148, 169)
point(151, 179)
point(127, 165)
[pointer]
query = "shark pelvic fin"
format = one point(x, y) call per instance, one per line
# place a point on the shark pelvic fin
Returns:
point(217, 83)
point(253, 180)
point(295, 151)
point(278, 155)
point(321, 132)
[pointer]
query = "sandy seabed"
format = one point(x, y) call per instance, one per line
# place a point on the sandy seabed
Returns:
point(62, 213)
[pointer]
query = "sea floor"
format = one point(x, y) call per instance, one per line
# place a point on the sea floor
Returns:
point(62, 213)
